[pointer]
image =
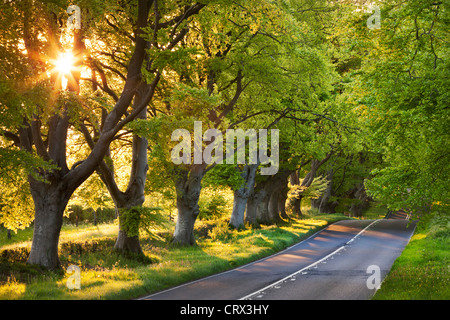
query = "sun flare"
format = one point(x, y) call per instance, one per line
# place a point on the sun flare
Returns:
point(65, 63)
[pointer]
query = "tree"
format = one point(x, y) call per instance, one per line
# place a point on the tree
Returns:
point(46, 129)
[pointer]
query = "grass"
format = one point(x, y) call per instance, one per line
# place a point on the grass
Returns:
point(107, 274)
point(422, 272)
point(68, 232)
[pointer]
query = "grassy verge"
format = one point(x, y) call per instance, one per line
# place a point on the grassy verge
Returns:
point(106, 274)
point(422, 271)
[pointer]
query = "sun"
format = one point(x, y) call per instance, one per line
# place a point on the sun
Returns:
point(65, 63)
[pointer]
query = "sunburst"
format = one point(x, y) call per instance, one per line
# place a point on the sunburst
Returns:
point(64, 65)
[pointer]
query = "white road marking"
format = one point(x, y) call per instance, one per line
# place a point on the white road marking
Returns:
point(313, 265)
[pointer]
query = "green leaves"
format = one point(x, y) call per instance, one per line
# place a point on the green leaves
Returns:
point(314, 191)
point(139, 218)
point(406, 105)
point(16, 205)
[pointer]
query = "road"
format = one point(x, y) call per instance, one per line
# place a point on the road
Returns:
point(346, 260)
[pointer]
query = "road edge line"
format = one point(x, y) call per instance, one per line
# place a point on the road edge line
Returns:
point(309, 266)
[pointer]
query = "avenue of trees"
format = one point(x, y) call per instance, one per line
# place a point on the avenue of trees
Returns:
point(359, 97)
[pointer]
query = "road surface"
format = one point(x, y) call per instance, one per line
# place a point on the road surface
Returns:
point(346, 260)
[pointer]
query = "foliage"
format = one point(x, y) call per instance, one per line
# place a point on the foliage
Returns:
point(213, 208)
point(224, 175)
point(93, 194)
point(220, 231)
point(314, 191)
point(402, 97)
point(16, 205)
point(139, 218)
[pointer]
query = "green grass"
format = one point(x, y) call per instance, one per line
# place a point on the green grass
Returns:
point(422, 272)
point(68, 232)
point(106, 274)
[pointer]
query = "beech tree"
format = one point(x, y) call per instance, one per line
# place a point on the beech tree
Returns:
point(45, 129)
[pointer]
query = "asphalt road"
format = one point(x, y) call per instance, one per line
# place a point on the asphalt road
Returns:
point(346, 260)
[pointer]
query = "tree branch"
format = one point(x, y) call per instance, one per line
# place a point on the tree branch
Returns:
point(37, 139)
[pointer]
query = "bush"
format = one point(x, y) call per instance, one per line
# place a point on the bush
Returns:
point(313, 212)
point(212, 207)
point(15, 255)
point(440, 226)
point(220, 232)
point(88, 246)
point(145, 219)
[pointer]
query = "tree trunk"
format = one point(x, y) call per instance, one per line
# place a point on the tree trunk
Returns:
point(262, 212)
point(135, 198)
point(254, 199)
point(272, 207)
point(135, 193)
point(276, 188)
point(126, 243)
point(239, 205)
point(241, 196)
point(95, 217)
point(295, 202)
point(259, 201)
point(282, 198)
point(299, 198)
point(362, 201)
point(188, 188)
point(50, 202)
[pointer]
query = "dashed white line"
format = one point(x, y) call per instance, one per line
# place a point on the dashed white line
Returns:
point(313, 265)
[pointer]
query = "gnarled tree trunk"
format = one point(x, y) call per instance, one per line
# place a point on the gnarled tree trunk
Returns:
point(50, 201)
point(241, 196)
point(263, 202)
point(295, 202)
point(257, 205)
point(188, 188)
point(282, 198)
point(252, 211)
point(135, 198)
point(278, 194)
